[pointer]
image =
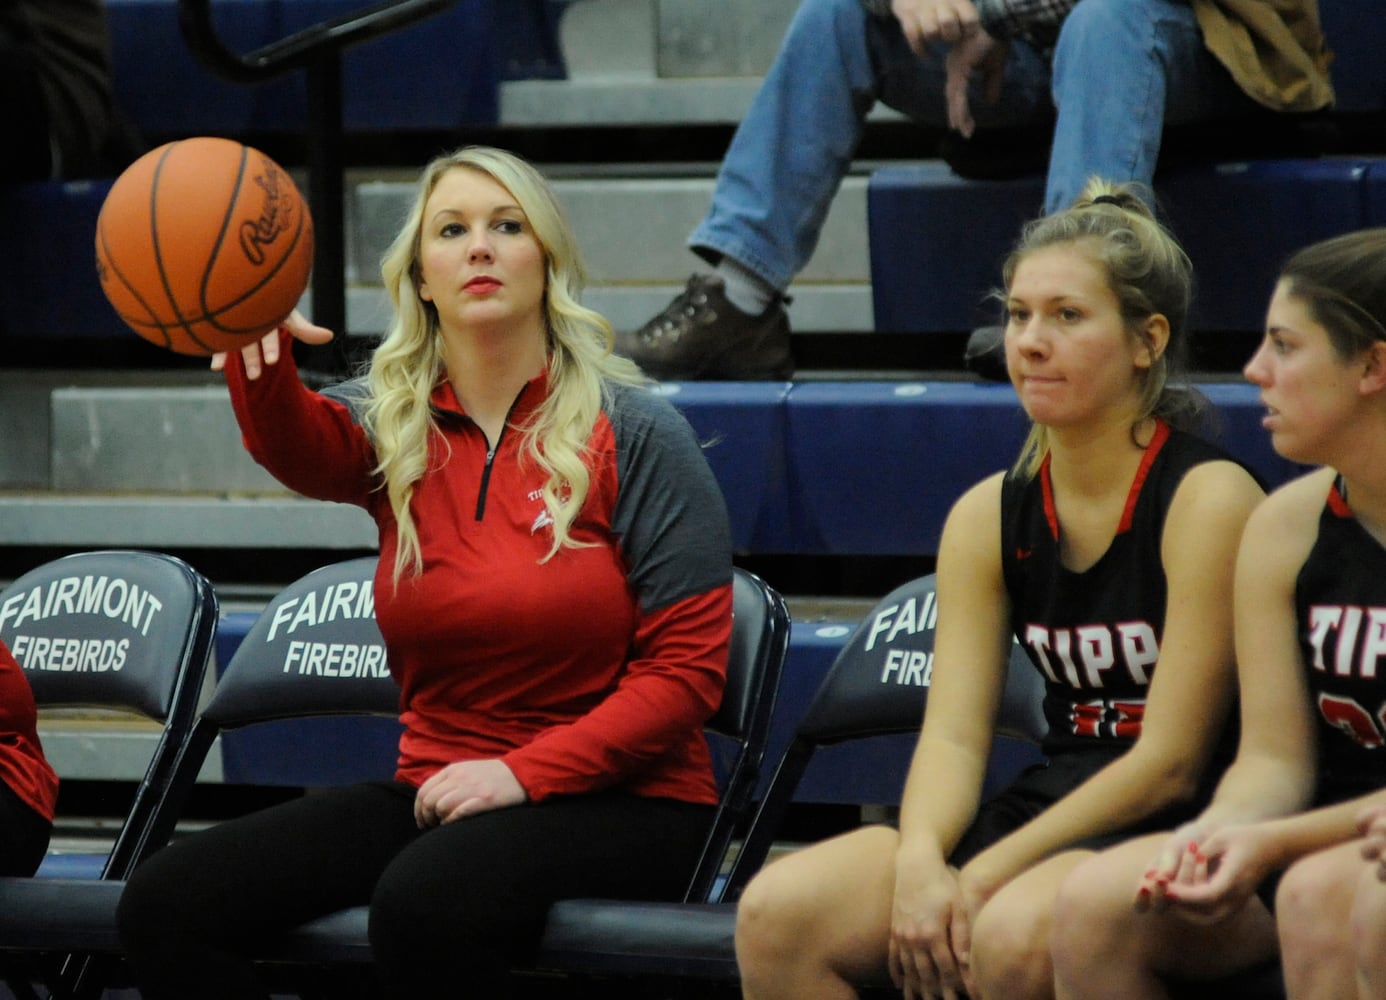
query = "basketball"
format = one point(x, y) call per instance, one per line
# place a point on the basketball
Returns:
point(203, 244)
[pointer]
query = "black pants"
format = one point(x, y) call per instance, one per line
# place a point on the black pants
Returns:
point(24, 835)
point(451, 908)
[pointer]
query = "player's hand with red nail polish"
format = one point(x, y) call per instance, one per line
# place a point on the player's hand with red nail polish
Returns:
point(1219, 874)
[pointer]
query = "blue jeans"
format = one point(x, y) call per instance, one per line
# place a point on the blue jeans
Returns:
point(1122, 69)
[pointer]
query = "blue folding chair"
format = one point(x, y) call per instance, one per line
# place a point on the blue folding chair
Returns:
point(124, 630)
point(332, 606)
point(877, 686)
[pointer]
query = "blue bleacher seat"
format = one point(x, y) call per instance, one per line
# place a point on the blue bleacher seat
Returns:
point(442, 73)
point(49, 286)
point(1238, 418)
point(938, 240)
point(875, 466)
point(1376, 194)
point(741, 425)
point(1239, 221)
point(1355, 33)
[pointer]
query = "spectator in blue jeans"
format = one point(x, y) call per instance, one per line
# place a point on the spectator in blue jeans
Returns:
point(1109, 73)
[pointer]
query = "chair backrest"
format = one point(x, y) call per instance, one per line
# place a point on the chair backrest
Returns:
point(878, 685)
point(125, 630)
point(315, 650)
point(759, 645)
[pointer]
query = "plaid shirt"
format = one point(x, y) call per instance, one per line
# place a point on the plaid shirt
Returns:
point(1035, 21)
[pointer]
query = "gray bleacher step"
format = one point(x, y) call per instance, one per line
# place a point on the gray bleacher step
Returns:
point(180, 522)
point(617, 100)
point(151, 440)
point(25, 413)
point(673, 38)
point(88, 747)
point(632, 228)
point(655, 63)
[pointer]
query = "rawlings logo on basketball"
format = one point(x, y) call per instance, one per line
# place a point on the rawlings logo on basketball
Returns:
point(204, 244)
point(275, 217)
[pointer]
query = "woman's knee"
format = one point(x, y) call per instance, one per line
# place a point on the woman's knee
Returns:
point(1094, 911)
point(1313, 904)
point(772, 916)
point(1303, 894)
point(1010, 947)
point(1368, 924)
point(794, 910)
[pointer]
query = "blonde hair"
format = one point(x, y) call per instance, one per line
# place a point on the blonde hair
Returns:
point(408, 364)
point(1149, 273)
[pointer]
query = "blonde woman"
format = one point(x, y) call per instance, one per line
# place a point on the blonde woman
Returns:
point(554, 591)
point(1107, 552)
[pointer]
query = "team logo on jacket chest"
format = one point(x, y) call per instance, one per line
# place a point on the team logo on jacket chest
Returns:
point(542, 519)
point(1085, 656)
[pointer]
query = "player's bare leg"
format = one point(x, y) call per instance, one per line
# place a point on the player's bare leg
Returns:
point(812, 922)
point(1313, 907)
point(1011, 934)
point(1103, 947)
point(1369, 933)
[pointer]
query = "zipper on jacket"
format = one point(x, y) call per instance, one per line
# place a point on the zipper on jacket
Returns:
point(491, 452)
point(486, 477)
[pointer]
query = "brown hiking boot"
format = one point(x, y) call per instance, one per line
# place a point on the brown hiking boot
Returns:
point(700, 335)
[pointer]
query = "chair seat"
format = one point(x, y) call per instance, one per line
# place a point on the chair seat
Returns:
point(640, 938)
point(337, 937)
point(59, 914)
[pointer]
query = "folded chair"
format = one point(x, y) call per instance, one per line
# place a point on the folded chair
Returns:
point(877, 686)
point(112, 630)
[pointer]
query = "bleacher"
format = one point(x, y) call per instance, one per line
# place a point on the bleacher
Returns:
point(837, 482)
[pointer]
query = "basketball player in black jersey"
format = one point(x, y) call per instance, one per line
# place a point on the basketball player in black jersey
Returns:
point(1107, 552)
point(1255, 870)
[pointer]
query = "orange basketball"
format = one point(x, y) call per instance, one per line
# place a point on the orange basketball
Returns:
point(203, 244)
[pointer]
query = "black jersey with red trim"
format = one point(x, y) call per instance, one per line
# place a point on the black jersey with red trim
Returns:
point(593, 668)
point(1340, 607)
point(1095, 635)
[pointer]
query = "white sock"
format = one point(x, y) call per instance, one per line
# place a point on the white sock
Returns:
point(746, 290)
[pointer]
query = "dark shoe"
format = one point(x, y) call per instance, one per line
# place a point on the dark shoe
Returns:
point(985, 353)
point(700, 335)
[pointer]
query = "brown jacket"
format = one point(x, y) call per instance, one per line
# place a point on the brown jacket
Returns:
point(1274, 49)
